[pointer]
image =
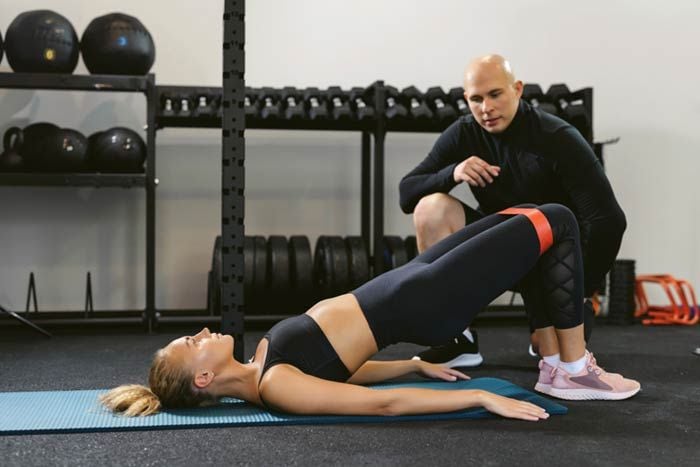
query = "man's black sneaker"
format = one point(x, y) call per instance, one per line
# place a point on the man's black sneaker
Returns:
point(460, 352)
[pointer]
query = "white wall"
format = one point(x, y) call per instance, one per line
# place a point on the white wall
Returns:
point(640, 58)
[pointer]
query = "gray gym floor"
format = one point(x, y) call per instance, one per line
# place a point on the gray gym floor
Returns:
point(659, 426)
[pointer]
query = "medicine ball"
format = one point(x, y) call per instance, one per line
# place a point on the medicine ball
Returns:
point(116, 150)
point(36, 142)
point(10, 159)
point(1, 47)
point(117, 44)
point(41, 41)
point(67, 151)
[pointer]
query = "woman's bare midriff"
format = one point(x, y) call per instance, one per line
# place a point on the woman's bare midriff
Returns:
point(346, 328)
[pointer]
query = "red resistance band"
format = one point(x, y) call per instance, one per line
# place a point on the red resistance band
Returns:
point(539, 221)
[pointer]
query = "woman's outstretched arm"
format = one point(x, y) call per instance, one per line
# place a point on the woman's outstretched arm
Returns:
point(286, 388)
point(375, 371)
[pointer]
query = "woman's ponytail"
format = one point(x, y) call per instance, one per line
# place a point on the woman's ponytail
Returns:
point(131, 400)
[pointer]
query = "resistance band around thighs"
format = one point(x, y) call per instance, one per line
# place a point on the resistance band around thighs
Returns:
point(539, 221)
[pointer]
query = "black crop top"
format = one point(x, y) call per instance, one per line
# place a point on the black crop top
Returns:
point(300, 342)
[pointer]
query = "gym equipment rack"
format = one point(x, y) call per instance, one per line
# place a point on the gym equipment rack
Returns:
point(99, 83)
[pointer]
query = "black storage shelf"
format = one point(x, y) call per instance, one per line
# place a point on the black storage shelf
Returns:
point(188, 122)
point(147, 180)
point(214, 121)
point(413, 126)
point(96, 180)
point(260, 124)
point(55, 81)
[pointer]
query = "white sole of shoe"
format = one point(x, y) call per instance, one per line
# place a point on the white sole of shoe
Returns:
point(591, 394)
point(464, 360)
point(543, 388)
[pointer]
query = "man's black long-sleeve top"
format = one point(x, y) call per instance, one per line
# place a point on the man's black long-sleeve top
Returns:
point(543, 159)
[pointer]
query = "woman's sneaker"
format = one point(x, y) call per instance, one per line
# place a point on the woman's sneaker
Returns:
point(544, 381)
point(461, 352)
point(592, 383)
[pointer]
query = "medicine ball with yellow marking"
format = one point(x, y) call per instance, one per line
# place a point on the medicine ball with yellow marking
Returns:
point(42, 41)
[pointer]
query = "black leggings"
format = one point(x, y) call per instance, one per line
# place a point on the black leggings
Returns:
point(438, 294)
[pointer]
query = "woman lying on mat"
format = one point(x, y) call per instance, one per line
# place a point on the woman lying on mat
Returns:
point(315, 363)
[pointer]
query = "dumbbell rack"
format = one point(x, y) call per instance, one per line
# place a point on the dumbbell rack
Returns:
point(147, 180)
point(367, 129)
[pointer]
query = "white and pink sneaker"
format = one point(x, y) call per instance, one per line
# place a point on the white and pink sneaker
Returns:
point(544, 381)
point(591, 383)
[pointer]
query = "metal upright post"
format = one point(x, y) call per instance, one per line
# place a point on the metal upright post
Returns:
point(378, 200)
point(233, 174)
point(151, 183)
point(366, 209)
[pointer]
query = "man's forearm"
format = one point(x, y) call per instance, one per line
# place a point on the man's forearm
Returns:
point(417, 184)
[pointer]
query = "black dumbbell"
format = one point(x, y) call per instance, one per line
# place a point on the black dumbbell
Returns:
point(533, 95)
point(184, 106)
point(270, 105)
point(438, 102)
point(457, 99)
point(394, 110)
point(206, 106)
point(338, 99)
point(315, 105)
point(414, 100)
point(558, 94)
point(571, 108)
point(358, 101)
point(167, 105)
point(293, 107)
point(250, 102)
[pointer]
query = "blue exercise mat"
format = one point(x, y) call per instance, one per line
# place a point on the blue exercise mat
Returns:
point(80, 411)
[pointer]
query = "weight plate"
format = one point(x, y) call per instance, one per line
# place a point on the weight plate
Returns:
point(301, 270)
point(358, 261)
point(394, 252)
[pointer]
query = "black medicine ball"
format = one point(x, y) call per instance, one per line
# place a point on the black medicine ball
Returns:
point(42, 41)
point(117, 44)
point(67, 151)
point(1, 49)
point(116, 150)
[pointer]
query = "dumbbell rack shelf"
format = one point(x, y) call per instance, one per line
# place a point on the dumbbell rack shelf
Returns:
point(99, 83)
point(95, 180)
point(68, 82)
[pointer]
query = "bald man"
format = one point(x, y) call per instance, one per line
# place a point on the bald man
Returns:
point(510, 153)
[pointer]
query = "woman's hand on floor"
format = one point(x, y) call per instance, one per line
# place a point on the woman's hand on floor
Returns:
point(513, 408)
point(433, 370)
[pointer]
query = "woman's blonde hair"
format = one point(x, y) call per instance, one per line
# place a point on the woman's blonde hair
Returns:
point(170, 387)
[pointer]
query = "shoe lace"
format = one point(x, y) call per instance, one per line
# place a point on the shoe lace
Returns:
point(593, 365)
